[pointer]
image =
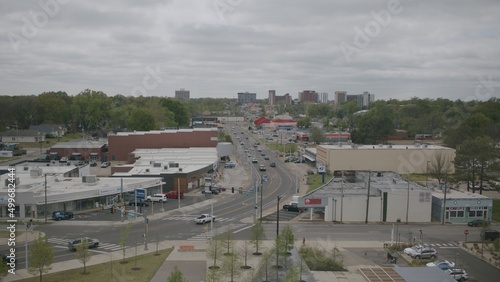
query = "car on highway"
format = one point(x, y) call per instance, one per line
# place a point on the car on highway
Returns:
point(458, 274)
point(273, 164)
point(442, 264)
point(254, 160)
point(229, 164)
point(265, 178)
point(160, 198)
point(262, 167)
point(204, 218)
point(477, 222)
point(266, 157)
point(62, 215)
point(74, 243)
point(174, 195)
point(213, 191)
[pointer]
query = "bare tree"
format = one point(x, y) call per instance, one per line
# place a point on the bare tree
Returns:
point(245, 250)
point(83, 254)
point(41, 257)
point(123, 239)
point(228, 241)
point(440, 166)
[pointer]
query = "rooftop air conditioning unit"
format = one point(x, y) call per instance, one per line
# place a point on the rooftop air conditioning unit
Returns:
point(165, 167)
point(8, 182)
point(180, 168)
point(147, 169)
point(380, 145)
point(157, 165)
point(425, 145)
point(26, 168)
point(89, 179)
point(36, 172)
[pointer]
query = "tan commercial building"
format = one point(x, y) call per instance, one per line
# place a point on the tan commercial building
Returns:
point(401, 159)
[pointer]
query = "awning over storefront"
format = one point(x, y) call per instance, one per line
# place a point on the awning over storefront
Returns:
point(312, 159)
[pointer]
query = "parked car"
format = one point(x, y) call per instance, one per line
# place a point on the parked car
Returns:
point(213, 191)
point(458, 274)
point(273, 164)
point(139, 204)
point(174, 195)
point(74, 243)
point(63, 160)
point(105, 164)
point(62, 215)
point(204, 218)
point(157, 198)
point(424, 253)
point(408, 251)
point(292, 208)
point(93, 164)
point(477, 222)
point(442, 264)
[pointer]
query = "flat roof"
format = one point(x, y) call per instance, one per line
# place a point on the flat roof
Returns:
point(452, 194)
point(164, 131)
point(24, 168)
point(384, 147)
point(154, 161)
point(60, 188)
point(379, 182)
point(79, 144)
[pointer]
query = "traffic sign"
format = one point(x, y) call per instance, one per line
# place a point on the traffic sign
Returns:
point(140, 194)
point(466, 231)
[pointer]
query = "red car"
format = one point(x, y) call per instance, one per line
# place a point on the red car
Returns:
point(174, 195)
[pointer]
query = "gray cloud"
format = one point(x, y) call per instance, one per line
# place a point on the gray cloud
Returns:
point(428, 49)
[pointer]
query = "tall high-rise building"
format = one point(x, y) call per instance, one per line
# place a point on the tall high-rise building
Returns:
point(340, 97)
point(323, 98)
point(365, 99)
point(272, 97)
point(182, 94)
point(246, 97)
point(308, 96)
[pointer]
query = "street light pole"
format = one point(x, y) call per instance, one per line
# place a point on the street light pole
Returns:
point(261, 192)
point(45, 206)
point(407, 199)
point(278, 217)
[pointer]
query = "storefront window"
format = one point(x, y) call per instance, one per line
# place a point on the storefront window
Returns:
point(460, 214)
point(479, 213)
point(453, 213)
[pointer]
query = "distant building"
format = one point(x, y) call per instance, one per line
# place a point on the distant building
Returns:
point(285, 99)
point(21, 136)
point(247, 97)
point(365, 99)
point(308, 96)
point(182, 94)
point(56, 130)
point(323, 98)
point(272, 97)
point(340, 97)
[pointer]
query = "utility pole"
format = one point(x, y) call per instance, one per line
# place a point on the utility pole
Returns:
point(45, 206)
point(179, 192)
point(121, 195)
point(444, 199)
point(408, 198)
point(368, 196)
point(146, 229)
point(342, 197)
point(261, 192)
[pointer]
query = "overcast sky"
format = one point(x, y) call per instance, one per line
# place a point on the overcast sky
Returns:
point(217, 48)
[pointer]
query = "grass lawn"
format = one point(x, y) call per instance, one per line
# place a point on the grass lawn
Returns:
point(315, 181)
point(496, 210)
point(147, 265)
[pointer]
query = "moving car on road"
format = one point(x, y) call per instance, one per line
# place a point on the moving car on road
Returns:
point(204, 218)
point(62, 215)
point(74, 243)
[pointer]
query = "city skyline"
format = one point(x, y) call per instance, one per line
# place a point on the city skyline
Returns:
point(394, 49)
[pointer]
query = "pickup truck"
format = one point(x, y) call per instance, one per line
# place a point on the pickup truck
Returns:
point(292, 208)
point(204, 218)
point(60, 215)
point(174, 195)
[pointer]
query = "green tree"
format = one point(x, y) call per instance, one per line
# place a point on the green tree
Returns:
point(176, 276)
point(292, 274)
point(181, 113)
point(3, 270)
point(83, 254)
point(141, 119)
point(41, 257)
point(53, 107)
point(257, 236)
point(375, 125)
point(214, 251)
point(317, 135)
point(90, 109)
point(304, 122)
point(231, 265)
point(287, 237)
